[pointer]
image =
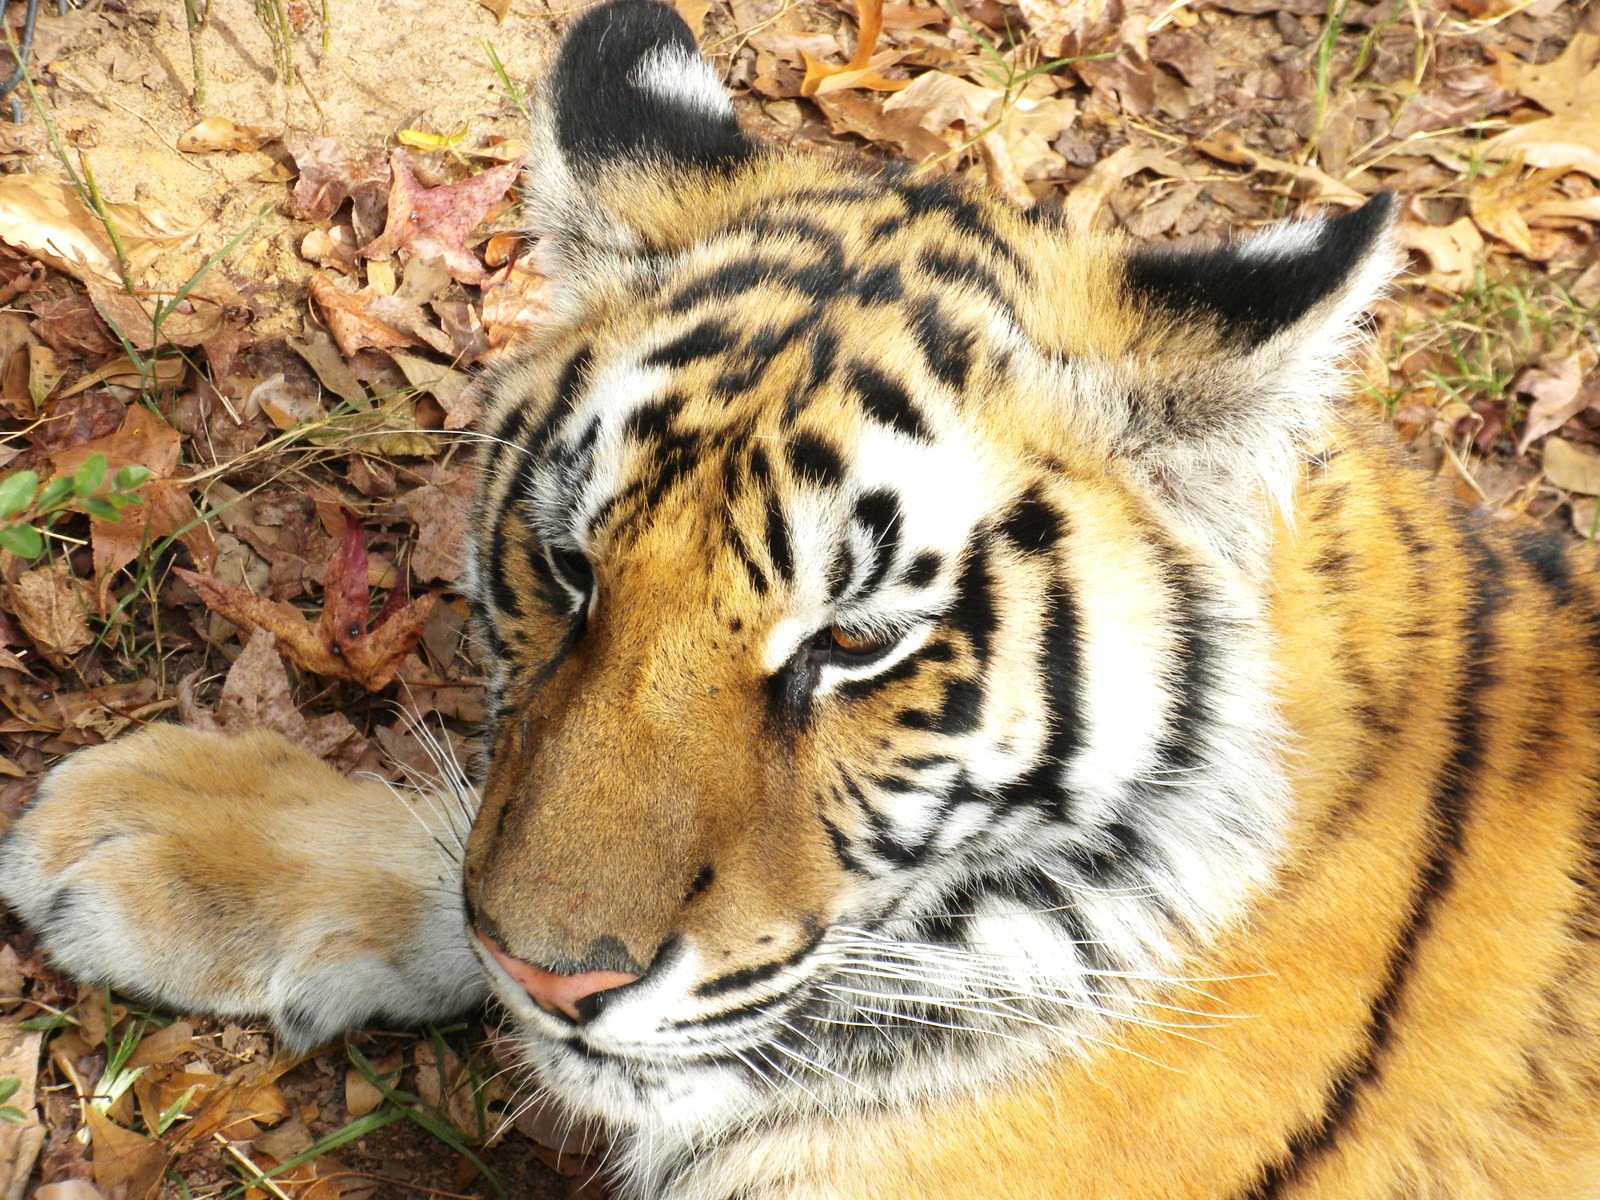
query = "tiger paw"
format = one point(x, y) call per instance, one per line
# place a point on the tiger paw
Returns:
point(241, 876)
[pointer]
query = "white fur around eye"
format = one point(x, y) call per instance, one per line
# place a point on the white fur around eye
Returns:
point(678, 76)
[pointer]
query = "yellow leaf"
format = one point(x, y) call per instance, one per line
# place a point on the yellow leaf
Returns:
point(418, 140)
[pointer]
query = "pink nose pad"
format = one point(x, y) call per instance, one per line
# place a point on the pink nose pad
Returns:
point(564, 994)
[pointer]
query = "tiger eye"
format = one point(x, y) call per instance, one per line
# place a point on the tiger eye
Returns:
point(851, 643)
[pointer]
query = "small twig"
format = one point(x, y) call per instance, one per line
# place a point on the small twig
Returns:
point(261, 1178)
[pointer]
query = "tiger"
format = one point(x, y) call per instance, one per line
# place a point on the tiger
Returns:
point(970, 715)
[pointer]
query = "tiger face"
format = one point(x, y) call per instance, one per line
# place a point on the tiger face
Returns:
point(873, 578)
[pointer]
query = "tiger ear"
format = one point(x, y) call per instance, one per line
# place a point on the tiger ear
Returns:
point(629, 113)
point(1239, 359)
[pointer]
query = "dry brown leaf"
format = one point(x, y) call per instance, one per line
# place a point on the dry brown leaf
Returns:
point(256, 695)
point(164, 509)
point(514, 303)
point(347, 319)
point(68, 1189)
point(215, 134)
point(212, 312)
point(1058, 23)
point(693, 13)
point(49, 220)
point(125, 1163)
point(1558, 396)
point(285, 404)
point(329, 176)
point(1448, 255)
point(341, 645)
point(1086, 206)
point(21, 1141)
point(435, 222)
point(323, 357)
point(1229, 147)
point(161, 1088)
point(440, 515)
point(168, 372)
point(360, 1097)
point(50, 605)
point(1572, 467)
point(444, 384)
point(143, 439)
point(1568, 88)
point(939, 103)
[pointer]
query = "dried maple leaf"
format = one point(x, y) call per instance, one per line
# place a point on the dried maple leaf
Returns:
point(434, 222)
point(341, 645)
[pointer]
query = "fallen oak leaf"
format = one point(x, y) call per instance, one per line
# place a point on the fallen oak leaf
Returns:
point(435, 222)
point(341, 645)
point(1568, 88)
point(256, 695)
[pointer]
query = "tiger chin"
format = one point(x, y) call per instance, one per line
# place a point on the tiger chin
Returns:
point(968, 718)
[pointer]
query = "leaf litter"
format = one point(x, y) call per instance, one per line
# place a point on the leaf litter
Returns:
point(292, 381)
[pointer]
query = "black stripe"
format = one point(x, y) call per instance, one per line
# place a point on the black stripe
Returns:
point(1184, 736)
point(841, 568)
point(972, 611)
point(758, 577)
point(963, 270)
point(879, 512)
point(1032, 524)
point(778, 541)
point(568, 386)
point(1063, 705)
point(500, 590)
point(947, 348)
point(886, 402)
point(749, 976)
point(1450, 810)
point(706, 340)
point(815, 460)
point(943, 198)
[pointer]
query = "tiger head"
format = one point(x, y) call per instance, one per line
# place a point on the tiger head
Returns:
point(873, 576)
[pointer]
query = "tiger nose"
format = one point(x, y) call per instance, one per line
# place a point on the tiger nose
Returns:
point(578, 997)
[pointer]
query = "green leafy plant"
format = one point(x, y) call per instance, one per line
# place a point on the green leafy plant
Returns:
point(10, 1113)
point(28, 508)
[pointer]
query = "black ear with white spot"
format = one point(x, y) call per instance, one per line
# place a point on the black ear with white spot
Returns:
point(629, 82)
point(1238, 360)
point(1263, 285)
point(631, 130)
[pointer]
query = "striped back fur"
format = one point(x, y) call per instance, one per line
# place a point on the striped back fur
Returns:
point(1025, 743)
